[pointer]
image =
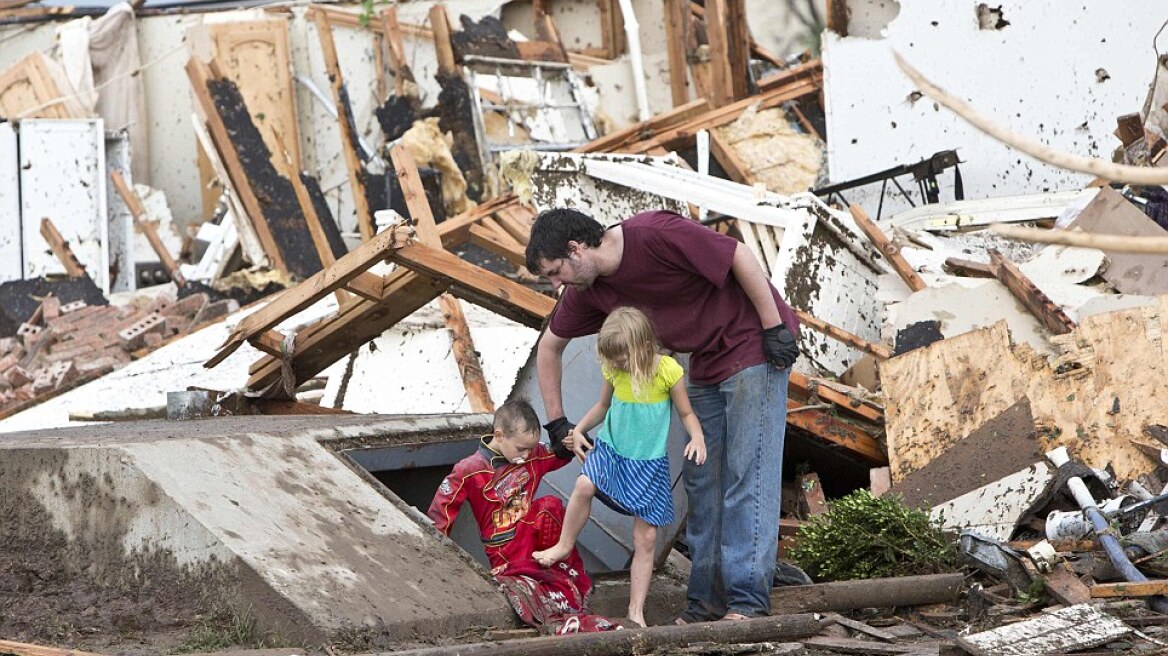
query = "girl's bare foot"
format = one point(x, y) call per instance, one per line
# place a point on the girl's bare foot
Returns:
point(639, 620)
point(549, 557)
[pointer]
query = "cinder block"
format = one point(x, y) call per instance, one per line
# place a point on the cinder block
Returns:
point(29, 334)
point(42, 383)
point(134, 337)
point(69, 308)
point(62, 373)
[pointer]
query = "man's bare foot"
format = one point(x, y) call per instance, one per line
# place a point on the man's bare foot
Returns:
point(549, 557)
point(639, 620)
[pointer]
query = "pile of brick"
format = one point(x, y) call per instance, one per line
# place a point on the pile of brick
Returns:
point(63, 344)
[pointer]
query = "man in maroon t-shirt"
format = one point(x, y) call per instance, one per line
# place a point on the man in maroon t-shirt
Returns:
point(706, 295)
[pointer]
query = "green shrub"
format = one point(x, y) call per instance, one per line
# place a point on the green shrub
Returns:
point(864, 537)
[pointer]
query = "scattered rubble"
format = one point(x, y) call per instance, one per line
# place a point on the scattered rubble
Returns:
point(303, 260)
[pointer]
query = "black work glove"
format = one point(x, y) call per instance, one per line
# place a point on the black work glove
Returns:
point(557, 430)
point(780, 346)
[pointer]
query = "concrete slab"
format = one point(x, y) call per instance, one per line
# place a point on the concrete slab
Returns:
point(260, 511)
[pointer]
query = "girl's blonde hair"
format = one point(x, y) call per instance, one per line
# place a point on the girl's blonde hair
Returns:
point(627, 334)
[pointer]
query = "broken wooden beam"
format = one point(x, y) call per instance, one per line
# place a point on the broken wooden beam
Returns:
point(1117, 243)
point(676, 22)
point(465, 355)
point(328, 49)
point(640, 640)
point(878, 350)
point(443, 47)
point(810, 387)
point(1048, 313)
point(26, 649)
point(60, 248)
point(811, 493)
point(475, 284)
point(886, 246)
point(836, 431)
point(403, 78)
point(722, 73)
point(614, 141)
point(868, 593)
point(1130, 589)
point(323, 283)
point(148, 228)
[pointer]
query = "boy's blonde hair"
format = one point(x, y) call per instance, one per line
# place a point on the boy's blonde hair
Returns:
point(627, 334)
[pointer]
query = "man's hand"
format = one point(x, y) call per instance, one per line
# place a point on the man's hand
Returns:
point(557, 430)
point(780, 346)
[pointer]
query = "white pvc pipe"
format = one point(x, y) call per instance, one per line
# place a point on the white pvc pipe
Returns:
point(633, 35)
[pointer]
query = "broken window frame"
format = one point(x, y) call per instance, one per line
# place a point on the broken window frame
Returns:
point(543, 73)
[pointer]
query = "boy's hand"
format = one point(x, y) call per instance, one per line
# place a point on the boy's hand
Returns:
point(578, 443)
point(696, 450)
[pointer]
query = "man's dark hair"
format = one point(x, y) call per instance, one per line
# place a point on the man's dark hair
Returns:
point(515, 416)
point(552, 231)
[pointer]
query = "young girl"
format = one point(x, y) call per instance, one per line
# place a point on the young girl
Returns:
point(629, 468)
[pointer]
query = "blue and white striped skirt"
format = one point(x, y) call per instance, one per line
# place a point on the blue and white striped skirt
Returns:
point(640, 486)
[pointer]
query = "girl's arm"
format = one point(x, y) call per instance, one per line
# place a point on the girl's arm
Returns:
point(696, 448)
point(576, 441)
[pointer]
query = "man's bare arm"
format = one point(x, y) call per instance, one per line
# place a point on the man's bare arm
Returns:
point(549, 368)
point(753, 281)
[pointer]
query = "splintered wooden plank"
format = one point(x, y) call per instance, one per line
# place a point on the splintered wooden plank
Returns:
point(1130, 589)
point(397, 53)
point(839, 334)
point(639, 131)
point(132, 201)
point(25, 649)
point(477, 285)
point(890, 250)
point(1066, 629)
point(1048, 313)
point(494, 239)
point(722, 73)
point(846, 403)
point(443, 48)
point(324, 32)
point(465, 355)
point(724, 152)
point(318, 346)
point(300, 297)
point(676, 16)
point(60, 248)
point(737, 47)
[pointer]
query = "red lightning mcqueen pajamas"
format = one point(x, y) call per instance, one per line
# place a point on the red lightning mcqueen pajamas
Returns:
point(513, 524)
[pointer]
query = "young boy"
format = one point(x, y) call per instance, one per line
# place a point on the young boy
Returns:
point(499, 481)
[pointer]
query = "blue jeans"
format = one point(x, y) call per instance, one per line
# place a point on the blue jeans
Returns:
point(733, 525)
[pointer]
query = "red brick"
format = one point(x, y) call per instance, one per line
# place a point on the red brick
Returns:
point(18, 376)
point(188, 306)
point(50, 307)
